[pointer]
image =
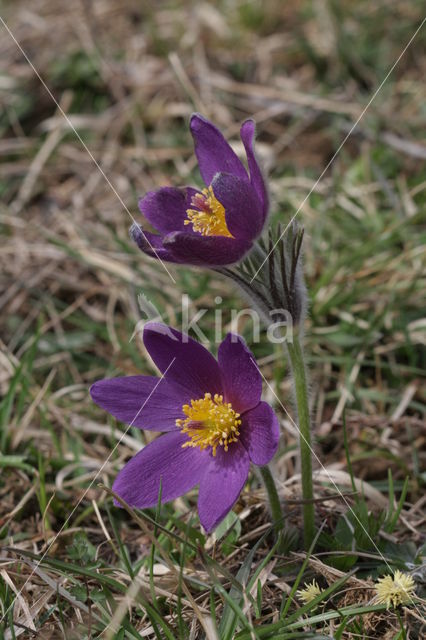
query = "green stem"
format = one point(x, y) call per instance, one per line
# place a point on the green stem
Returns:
point(305, 447)
point(274, 500)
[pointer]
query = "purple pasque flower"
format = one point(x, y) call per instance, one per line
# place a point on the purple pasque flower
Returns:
point(214, 226)
point(214, 421)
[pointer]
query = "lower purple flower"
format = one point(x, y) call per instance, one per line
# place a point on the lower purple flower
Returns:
point(213, 416)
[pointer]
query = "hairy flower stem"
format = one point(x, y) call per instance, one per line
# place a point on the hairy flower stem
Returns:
point(274, 500)
point(305, 447)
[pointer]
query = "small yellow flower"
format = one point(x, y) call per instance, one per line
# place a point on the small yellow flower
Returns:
point(310, 592)
point(395, 590)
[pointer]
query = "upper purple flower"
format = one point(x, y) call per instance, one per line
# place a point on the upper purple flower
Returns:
point(211, 411)
point(217, 225)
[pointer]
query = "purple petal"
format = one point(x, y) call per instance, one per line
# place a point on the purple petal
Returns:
point(151, 244)
point(184, 361)
point(166, 208)
point(260, 433)
point(141, 401)
point(213, 152)
point(221, 484)
point(179, 469)
point(242, 381)
point(247, 133)
point(243, 212)
point(209, 251)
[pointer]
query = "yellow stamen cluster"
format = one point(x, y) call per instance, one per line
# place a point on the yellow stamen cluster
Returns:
point(310, 592)
point(395, 590)
point(208, 218)
point(210, 422)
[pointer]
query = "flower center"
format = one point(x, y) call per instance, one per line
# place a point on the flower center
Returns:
point(209, 423)
point(208, 216)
